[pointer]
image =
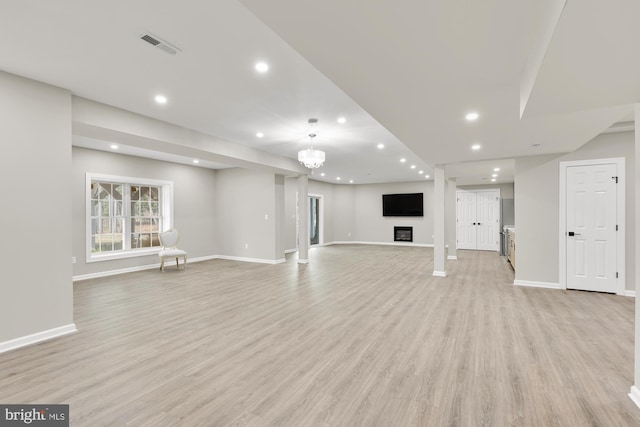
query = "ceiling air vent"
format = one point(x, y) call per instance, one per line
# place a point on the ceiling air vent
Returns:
point(163, 45)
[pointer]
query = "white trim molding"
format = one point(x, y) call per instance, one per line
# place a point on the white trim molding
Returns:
point(257, 260)
point(440, 273)
point(630, 294)
point(634, 395)
point(37, 337)
point(290, 251)
point(452, 257)
point(421, 245)
point(303, 261)
point(530, 284)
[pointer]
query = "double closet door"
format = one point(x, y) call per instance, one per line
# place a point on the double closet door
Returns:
point(478, 219)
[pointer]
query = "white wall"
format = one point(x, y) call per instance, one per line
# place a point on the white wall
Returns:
point(35, 167)
point(353, 213)
point(537, 207)
point(193, 204)
point(243, 198)
point(506, 190)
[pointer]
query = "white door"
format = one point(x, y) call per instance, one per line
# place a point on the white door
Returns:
point(466, 216)
point(488, 220)
point(478, 219)
point(591, 227)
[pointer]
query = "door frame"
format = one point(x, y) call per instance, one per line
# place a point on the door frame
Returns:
point(620, 219)
point(320, 198)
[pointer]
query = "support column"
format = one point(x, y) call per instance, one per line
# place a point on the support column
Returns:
point(303, 219)
point(635, 389)
point(439, 228)
point(451, 219)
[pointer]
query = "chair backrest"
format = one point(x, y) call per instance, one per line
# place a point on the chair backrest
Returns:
point(169, 239)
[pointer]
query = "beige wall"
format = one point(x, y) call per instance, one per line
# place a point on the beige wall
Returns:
point(35, 166)
point(537, 207)
point(193, 204)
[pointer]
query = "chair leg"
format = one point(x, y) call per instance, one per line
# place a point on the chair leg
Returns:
point(161, 264)
point(177, 265)
point(184, 260)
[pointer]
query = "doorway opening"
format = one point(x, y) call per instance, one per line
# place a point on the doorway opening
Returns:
point(315, 220)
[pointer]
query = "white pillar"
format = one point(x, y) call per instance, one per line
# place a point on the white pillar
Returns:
point(635, 389)
point(439, 203)
point(451, 221)
point(303, 219)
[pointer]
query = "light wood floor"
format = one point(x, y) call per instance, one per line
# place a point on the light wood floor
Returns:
point(362, 336)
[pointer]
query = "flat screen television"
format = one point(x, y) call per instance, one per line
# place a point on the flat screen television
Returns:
point(409, 204)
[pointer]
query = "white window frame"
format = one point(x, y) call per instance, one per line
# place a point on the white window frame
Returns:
point(167, 214)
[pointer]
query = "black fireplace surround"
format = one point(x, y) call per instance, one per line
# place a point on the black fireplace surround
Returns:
point(403, 234)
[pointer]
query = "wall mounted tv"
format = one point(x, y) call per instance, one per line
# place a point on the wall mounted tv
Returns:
point(409, 204)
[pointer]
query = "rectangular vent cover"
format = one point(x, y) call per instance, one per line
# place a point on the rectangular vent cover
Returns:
point(163, 45)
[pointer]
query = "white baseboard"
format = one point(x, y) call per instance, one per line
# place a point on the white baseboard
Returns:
point(37, 337)
point(290, 251)
point(134, 269)
point(546, 285)
point(422, 245)
point(630, 294)
point(452, 257)
point(440, 273)
point(303, 261)
point(634, 395)
point(257, 260)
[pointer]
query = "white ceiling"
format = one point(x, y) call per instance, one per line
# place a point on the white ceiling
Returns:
point(403, 73)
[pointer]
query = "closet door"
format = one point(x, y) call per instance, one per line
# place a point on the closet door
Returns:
point(466, 211)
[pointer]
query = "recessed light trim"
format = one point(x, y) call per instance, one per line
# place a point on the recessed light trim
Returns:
point(259, 134)
point(496, 169)
point(476, 147)
point(196, 161)
point(426, 176)
point(495, 175)
point(322, 174)
point(402, 160)
point(380, 146)
point(160, 99)
point(472, 116)
point(413, 166)
point(114, 146)
point(338, 178)
point(420, 172)
point(342, 120)
point(262, 67)
point(350, 181)
point(493, 180)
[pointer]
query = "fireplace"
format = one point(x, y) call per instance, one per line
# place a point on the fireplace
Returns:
point(403, 234)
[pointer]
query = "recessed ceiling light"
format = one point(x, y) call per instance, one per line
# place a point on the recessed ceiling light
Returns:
point(493, 180)
point(262, 67)
point(196, 161)
point(114, 146)
point(259, 134)
point(413, 166)
point(402, 160)
point(161, 99)
point(420, 172)
point(472, 116)
point(342, 120)
point(350, 181)
point(426, 176)
point(322, 174)
point(495, 175)
point(475, 147)
point(496, 169)
point(337, 178)
point(380, 146)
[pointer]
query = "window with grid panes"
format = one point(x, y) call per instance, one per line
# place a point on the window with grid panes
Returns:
point(126, 217)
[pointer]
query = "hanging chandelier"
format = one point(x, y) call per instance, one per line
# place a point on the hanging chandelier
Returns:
point(311, 158)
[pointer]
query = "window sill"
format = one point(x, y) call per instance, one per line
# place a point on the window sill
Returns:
point(122, 255)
